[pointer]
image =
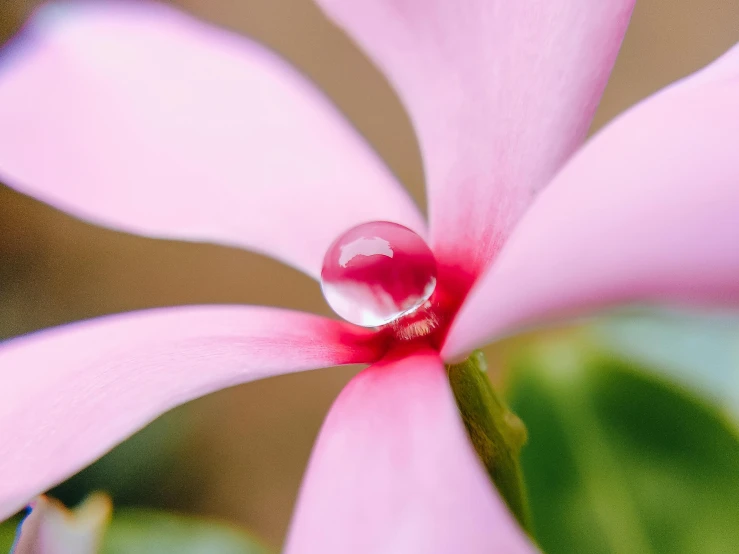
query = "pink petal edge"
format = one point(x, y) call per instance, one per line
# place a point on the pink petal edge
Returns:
point(393, 471)
point(501, 93)
point(134, 115)
point(68, 395)
point(647, 212)
point(51, 528)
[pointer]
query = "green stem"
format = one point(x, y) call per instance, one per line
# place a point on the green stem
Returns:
point(496, 433)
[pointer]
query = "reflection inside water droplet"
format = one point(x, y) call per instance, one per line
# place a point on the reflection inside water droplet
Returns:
point(377, 272)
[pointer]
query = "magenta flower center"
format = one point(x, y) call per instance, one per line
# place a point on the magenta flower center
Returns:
point(377, 273)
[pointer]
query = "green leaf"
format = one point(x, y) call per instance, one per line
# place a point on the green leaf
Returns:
point(699, 350)
point(141, 531)
point(7, 534)
point(496, 433)
point(619, 461)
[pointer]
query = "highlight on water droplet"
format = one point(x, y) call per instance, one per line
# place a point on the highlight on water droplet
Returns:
point(377, 272)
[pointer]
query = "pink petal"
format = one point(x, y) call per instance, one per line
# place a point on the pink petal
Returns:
point(68, 395)
point(647, 212)
point(136, 116)
point(52, 529)
point(501, 92)
point(393, 471)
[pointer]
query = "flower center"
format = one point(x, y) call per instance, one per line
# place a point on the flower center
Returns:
point(377, 273)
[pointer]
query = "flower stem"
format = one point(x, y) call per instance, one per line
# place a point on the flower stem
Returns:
point(496, 433)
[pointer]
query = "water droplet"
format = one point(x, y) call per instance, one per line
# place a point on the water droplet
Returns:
point(377, 272)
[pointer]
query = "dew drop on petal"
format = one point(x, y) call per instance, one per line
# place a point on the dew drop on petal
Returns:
point(377, 272)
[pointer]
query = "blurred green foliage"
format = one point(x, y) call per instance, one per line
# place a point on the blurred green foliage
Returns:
point(697, 349)
point(141, 531)
point(150, 532)
point(7, 534)
point(619, 461)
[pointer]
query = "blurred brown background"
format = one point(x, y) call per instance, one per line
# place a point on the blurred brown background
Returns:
point(247, 446)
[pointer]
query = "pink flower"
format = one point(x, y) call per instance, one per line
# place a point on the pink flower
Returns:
point(140, 118)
